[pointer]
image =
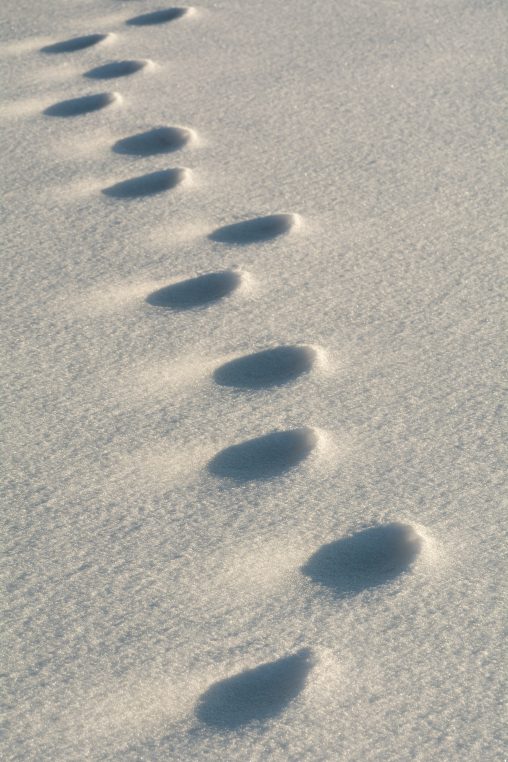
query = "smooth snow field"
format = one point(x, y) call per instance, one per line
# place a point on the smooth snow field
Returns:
point(252, 301)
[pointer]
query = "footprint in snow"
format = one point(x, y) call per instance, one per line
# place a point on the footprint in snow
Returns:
point(116, 69)
point(76, 43)
point(149, 184)
point(155, 141)
point(255, 695)
point(264, 457)
point(82, 105)
point(256, 230)
point(366, 559)
point(271, 367)
point(196, 292)
point(158, 17)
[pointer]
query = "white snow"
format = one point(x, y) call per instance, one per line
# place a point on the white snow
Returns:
point(214, 556)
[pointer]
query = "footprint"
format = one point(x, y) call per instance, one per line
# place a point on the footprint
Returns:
point(255, 230)
point(255, 695)
point(158, 140)
point(158, 17)
point(196, 292)
point(116, 69)
point(266, 456)
point(271, 367)
point(148, 185)
point(366, 559)
point(75, 44)
point(83, 105)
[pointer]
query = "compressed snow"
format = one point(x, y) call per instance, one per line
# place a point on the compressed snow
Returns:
point(215, 554)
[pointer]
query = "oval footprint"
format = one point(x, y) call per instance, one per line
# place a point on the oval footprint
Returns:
point(196, 292)
point(75, 44)
point(264, 457)
point(116, 69)
point(369, 558)
point(83, 105)
point(158, 17)
point(255, 230)
point(271, 367)
point(256, 694)
point(152, 142)
point(147, 185)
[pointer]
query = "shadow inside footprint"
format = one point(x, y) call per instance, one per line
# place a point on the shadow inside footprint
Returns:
point(158, 140)
point(115, 69)
point(83, 105)
point(271, 367)
point(196, 292)
point(255, 230)
point(264, 457)
point(366, 559)
point(158, 17)
point(74, 44)
point(256, 694)
point(146, 185)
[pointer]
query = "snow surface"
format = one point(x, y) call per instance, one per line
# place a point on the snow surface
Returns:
point(214, 556)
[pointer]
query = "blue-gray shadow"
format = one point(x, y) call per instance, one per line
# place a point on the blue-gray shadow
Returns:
point(255, 230)
point(367, 559)
point(115, 69)
point(146, 185)
point(196, 292)
point(152, 142)
point(157, 17)
point(271, 367)
point(264, 457)
point(255, 695)
point(74, 44)
point(78, 106)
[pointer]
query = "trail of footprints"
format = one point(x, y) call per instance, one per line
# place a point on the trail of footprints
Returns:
point(348, 565)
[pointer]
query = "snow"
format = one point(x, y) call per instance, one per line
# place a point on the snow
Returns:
point(253, 503)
